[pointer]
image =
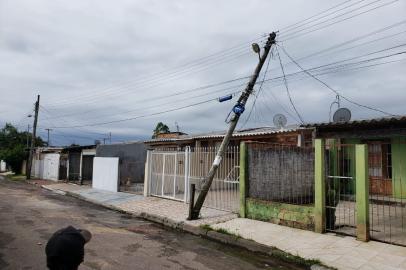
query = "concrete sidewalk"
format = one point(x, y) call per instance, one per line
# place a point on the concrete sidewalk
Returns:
point(332, 250)
point(172, 213)
point(336, 251)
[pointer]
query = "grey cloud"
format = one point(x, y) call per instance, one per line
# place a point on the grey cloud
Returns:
point(92, 55)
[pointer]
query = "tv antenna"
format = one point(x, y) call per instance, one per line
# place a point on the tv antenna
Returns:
point(342, 115)
point(280, 121)
point(336, 101)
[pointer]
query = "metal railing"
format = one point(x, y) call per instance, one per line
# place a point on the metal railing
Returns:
point(171, 172)
point(387, 191)
point(224, 191)
point(340, 188)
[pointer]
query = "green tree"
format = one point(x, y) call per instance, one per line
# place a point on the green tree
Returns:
point(160, 128)
point(13, 146)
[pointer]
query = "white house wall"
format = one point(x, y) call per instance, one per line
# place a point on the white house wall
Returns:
point(51, 166)
point(105, 173)
point(47, 167)
point(2, 166)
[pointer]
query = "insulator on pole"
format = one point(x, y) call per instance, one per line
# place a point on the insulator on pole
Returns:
point(225, 98)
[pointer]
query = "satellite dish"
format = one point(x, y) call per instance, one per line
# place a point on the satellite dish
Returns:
point(279, 120)
point(342, 115)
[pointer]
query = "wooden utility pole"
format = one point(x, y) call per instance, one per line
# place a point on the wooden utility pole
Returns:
point(238, 109)
point(48, 129)
point(28, 132)
point(34, 134)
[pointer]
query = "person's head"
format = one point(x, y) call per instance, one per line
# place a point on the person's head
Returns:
point(65, 249)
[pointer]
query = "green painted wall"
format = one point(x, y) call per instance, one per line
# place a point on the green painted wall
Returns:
point(362, 196)
point(295, 216)
point(399, 167)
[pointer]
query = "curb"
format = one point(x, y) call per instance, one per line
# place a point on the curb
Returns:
point(227, 239)
point(60, 192)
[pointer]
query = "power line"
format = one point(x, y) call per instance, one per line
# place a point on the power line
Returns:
point(42, 108)
point(313, 16)
point(356, 57)
point(332, 89)
point(237, 79)
point(287, 88)
point(258, 93)
point(265, 93)
point(221, 53)
point(266, 80)
point(339, 21)
point(154, 81)
point(182, 92)
point(146, 115)
point(319, 52)
point(341, 44)
point(331, 13)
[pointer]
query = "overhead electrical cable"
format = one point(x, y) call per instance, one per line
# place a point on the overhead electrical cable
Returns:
point(258, 92)
point(313, 16)
point(151, 81)
point(177, 93)
point(287, 88)
point(341, 44)
point(328, 70)
point(245, 77)
point(333, 23)
point(225, 51)
point(333, 90)
point(327, 15)
point(146, 115)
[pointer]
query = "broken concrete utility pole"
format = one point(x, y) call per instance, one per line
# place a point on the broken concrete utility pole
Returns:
point(238, 109)
point(34, 134)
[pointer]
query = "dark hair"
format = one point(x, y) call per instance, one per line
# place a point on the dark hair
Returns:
point(65, 249)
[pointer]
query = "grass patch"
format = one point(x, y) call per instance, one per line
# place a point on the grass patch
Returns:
point(207, 227)
point(17, 177)
point(290, 258)
point(293, 258)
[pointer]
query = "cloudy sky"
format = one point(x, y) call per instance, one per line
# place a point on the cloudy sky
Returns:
point(97, 63)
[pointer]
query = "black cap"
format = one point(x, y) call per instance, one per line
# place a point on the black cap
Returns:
point(65, 249)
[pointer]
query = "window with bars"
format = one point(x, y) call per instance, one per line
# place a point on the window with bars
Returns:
point(380, 160)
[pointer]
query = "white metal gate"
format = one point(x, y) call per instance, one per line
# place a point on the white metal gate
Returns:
point(171, 172)
point(168, 171)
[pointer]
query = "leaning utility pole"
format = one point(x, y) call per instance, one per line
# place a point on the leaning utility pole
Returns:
point(34, 134)
point(238, 109)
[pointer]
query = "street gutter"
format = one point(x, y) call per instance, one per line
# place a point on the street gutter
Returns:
point(200, 231)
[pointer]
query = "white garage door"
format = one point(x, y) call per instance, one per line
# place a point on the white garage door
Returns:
point(51, 167)
point(105, 173)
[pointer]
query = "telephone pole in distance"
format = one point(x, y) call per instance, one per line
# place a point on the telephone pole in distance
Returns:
point(34, 134)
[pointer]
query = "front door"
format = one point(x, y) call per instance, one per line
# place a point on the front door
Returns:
point(87, 167)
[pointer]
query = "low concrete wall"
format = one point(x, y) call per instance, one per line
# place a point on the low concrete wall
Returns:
point(296, 216)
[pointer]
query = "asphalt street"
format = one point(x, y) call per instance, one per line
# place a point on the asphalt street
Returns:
point(29, 215)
